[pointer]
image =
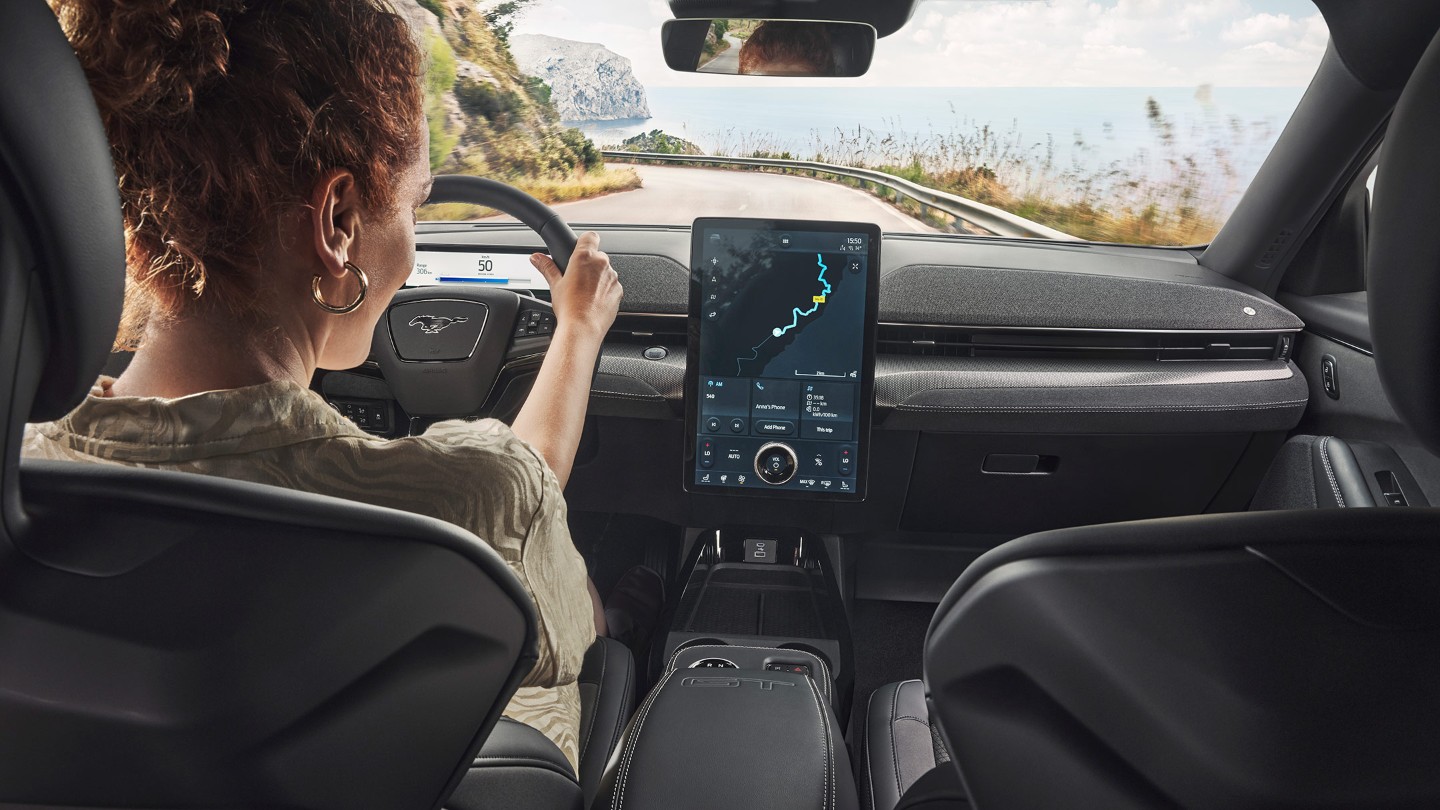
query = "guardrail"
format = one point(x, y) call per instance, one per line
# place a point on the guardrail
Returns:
point(986, 217)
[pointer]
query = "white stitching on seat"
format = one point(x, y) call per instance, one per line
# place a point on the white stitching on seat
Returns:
point(620, 727)
point(827, 801)
point(634, 741)
point(595, 714)
point(890, 727)
point(1329, 472)
point(868, 749)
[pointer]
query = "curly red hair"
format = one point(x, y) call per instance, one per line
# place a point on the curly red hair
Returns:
point(222, 114)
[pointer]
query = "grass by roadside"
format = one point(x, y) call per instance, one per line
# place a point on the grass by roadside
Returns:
point(1164, 194)
point(578, 186)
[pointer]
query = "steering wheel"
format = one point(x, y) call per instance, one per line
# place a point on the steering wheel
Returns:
point(442, 349)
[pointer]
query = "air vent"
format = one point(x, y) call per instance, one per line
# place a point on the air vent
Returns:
point(934, 341)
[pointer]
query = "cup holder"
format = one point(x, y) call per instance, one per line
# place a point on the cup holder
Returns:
point(806, 648)
point(701, 642)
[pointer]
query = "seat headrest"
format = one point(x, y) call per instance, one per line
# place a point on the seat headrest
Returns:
point(68, 248)
point(1404, 260)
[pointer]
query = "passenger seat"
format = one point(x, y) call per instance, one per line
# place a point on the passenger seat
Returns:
point(901, 751)
point(1313, 472)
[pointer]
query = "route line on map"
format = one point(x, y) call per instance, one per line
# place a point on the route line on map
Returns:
point(795, 315)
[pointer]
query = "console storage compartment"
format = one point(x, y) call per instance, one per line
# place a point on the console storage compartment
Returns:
point(788, 605)
point(712, 736)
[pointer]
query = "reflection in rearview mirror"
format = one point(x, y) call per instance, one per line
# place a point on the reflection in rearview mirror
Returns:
point(739, 47)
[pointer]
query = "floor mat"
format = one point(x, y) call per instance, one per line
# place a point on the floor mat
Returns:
point(889, 643)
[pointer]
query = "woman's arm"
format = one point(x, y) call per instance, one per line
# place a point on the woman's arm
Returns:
point(586, 298)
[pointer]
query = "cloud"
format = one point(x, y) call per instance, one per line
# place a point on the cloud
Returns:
point(1014, 43)
point(1258, 28)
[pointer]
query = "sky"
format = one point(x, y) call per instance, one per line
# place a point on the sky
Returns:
point(1013, 43)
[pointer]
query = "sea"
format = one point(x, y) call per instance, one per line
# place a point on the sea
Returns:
point(1084, 131)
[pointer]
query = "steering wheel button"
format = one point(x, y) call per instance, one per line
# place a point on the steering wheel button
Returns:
point(437, 330)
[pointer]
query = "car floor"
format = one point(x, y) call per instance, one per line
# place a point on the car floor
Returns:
point(889, 643)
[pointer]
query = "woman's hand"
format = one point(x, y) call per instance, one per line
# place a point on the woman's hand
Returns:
point(586, 296)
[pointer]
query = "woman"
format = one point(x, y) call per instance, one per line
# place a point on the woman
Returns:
point(271, 156)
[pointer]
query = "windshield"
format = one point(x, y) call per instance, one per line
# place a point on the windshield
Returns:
point(1134, 121)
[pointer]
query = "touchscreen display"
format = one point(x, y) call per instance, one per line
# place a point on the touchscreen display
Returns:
point(783, 358)
point(493, 268)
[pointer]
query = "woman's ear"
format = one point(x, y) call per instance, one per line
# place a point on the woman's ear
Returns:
point(335, 219)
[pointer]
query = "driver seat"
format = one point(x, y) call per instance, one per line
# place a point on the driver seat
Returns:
point(179, 640)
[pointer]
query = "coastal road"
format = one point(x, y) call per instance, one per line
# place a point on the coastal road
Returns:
point(728, 62)
point(676, 195)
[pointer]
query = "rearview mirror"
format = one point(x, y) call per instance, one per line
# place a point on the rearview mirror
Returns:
point(768, 47)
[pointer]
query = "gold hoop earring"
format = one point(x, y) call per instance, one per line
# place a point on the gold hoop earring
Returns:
point(341, 310)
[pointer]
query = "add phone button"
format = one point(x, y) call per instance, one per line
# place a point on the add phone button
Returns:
point(775, 428)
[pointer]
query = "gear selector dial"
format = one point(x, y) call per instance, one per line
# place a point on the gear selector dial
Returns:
point(775, 463)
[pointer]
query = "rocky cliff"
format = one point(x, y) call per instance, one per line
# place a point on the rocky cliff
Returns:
point(588, 82)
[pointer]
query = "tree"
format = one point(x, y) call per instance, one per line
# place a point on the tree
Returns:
point(502, 16)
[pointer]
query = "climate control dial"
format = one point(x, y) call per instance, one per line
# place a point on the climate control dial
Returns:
point(776, 463)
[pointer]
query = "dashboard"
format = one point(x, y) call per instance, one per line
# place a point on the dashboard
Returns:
point(1017, 385)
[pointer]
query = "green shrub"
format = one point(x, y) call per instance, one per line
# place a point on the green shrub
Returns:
point(434, 7)
point(440, 70)
point(538, 90)
point(587, 155)
point(481, 99)
point(442, 139)
point(660, 143)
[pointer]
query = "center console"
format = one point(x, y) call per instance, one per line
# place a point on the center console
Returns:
point(754, 676)
point(759, 733)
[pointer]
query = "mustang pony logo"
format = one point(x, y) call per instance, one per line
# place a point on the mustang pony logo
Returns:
point(432, 324)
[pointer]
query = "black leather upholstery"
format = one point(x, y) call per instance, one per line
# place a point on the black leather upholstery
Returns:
point(521, 769)
point(201, 642)
point(63, 223)
point(517, 768)
point(731, 738)
point(1270, 659)
point(1250, 660)
point(607, 699)
point(1404, 264)
point(900, 745)
point(172, 640)
point(1313, 472)
point(939, 789)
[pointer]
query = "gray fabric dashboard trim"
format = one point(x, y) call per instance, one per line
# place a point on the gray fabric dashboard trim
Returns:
point(987, 296)
point(652, 283)
point(659, 378)
point(898, 379)
point(1001, 394)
